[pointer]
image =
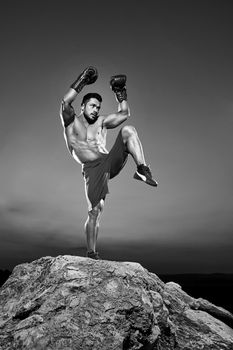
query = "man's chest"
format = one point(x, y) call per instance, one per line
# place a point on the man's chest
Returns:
point(95, 133)
point(92, 132)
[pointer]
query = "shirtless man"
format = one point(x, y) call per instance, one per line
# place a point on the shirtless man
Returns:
point(85, 137)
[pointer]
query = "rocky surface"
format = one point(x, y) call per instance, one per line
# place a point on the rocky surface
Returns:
point(72, 302)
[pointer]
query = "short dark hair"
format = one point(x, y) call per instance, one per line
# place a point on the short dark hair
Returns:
point(90, 95)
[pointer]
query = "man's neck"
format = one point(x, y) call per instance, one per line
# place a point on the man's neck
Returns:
point(84, 121)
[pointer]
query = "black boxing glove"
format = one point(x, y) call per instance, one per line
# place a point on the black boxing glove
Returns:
point(118, 85)
point(88, 76)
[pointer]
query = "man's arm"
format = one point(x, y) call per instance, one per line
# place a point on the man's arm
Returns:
point(115, 119)
point(88, 76)
point(67, 112)
point(118, 85)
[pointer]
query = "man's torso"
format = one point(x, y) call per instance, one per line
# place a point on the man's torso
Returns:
point(86, 142)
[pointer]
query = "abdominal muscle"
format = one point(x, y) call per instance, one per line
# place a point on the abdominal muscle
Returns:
point(87, 151)
point(86, 144)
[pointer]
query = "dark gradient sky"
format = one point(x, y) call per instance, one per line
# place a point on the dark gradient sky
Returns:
point(178, 57)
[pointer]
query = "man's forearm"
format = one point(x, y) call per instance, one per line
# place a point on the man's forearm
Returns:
point(70, 96)
point(88, 76)
point(123, 108)
point(67, 113)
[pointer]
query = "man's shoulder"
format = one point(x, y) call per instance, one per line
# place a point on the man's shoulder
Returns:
point(98, 122)
point(77, 121)
point(101, 119)
point(73, 127)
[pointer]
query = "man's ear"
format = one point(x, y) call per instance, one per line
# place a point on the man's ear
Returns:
point(82, 107)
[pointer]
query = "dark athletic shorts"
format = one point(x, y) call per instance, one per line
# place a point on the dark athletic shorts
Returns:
point(97, 172)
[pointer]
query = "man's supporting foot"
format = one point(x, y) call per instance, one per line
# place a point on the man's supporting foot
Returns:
point(143, 173)
point(93, 255)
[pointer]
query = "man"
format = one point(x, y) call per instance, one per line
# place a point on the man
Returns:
point(85, 136)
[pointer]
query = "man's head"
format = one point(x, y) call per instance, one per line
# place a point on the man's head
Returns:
point(90, 107)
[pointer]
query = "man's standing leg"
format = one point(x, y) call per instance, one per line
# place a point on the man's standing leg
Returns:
point(92, 229)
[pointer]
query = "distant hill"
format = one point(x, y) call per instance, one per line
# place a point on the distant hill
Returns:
point(4, 274)
point(216, 288)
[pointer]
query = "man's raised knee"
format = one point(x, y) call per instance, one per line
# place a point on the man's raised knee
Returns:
point(127, 131)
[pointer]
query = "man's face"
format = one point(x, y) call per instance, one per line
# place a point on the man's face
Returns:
point(91, 110)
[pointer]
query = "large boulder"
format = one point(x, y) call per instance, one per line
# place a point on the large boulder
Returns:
point(72, 302)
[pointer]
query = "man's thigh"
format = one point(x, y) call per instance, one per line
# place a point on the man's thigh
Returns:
point(96, 188)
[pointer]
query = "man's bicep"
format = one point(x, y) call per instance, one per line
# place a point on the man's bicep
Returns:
point(109, 121)
point(113, 120)
point(67, 113)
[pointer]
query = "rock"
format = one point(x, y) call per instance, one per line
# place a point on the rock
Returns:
point(72, 302)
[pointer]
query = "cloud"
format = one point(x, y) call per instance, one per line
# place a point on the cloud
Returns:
point(24, 222)
point(27, 233)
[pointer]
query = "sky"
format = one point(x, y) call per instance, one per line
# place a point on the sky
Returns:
point(178, 58)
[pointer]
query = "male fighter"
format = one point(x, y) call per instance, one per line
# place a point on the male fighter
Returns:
point(85, 136)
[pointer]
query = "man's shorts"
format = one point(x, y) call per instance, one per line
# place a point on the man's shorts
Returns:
point(97, 173)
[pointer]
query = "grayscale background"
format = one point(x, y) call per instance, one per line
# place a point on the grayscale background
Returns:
point(178, 58)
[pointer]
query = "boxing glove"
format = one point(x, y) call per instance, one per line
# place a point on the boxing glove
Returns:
point(88, 76)
point(118, 86)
